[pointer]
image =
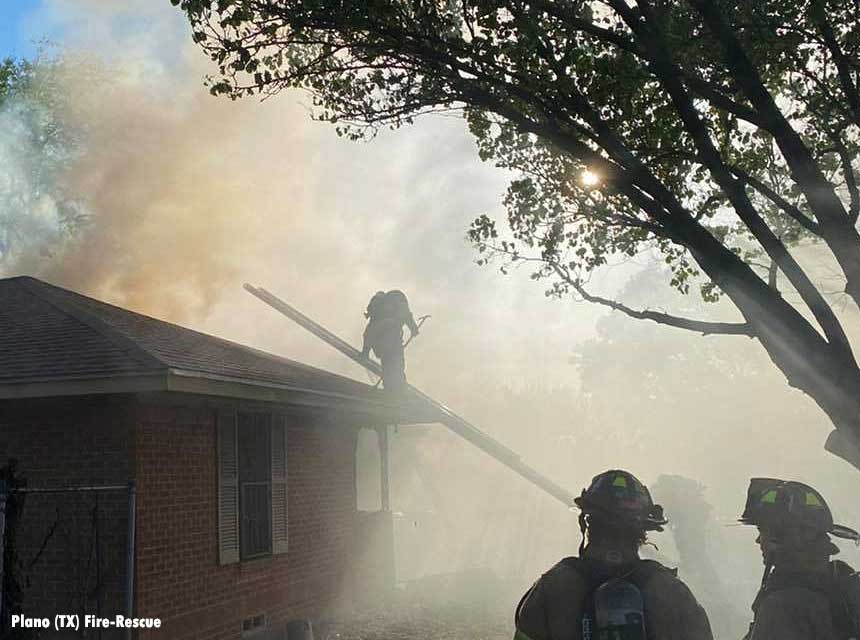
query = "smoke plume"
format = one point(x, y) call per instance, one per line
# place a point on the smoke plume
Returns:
point(188, 196)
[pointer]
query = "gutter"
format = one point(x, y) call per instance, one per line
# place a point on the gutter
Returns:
point(196, 382)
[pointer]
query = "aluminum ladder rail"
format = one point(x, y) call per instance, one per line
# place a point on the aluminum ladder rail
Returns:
point(447, 417)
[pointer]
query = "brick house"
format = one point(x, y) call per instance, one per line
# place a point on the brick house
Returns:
point(243, 464)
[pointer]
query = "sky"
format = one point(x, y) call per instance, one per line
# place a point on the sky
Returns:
point(192, 196)
point(18, 35)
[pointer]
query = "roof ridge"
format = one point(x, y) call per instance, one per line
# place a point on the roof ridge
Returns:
point(44, 291)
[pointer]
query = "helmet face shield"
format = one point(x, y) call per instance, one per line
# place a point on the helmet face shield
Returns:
point(846, 533)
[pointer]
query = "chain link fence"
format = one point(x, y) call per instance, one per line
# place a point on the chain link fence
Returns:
point(65, 550)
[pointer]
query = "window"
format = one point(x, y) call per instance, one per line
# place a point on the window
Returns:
point(254, 626)
point(368, 471)
point(255, 484)
point(252, 485)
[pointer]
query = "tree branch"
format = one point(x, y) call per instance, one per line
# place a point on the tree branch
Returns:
point(793, 212)
point(850, 177)
point(772, 274)
point(698, 85)
point(706, 90)
point(852, 97)
point(836, 227)
point(699, 326)
point(661, 207)
point(680, 224)
point(667, 72)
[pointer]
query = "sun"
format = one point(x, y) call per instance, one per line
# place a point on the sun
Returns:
point(589, 178)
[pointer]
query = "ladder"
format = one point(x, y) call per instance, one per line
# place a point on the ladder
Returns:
point(446, 416)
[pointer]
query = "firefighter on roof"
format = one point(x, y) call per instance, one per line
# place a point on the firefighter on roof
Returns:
point(387, 313)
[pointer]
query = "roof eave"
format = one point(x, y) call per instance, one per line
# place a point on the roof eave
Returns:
point(193, 382)
point(83, 386)
point(382, 409)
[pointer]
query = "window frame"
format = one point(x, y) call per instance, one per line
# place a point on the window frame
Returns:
point(250, 476)
point(232, 481)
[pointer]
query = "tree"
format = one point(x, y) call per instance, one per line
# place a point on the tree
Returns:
point(39, 140)
point(709, 131)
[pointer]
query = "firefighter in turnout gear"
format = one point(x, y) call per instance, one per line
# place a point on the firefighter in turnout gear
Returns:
point(387, 313)
point(804, 594)
point(608, 592)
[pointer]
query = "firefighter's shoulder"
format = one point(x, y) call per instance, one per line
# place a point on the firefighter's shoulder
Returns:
point(793, 612)
point(567, 573)
point(670, 606)
point(561, 581)
point(552, 607)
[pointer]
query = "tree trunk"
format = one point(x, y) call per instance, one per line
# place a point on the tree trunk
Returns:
point(846, 249)
point(843, 444)
point(824, 371)
point(834, 387)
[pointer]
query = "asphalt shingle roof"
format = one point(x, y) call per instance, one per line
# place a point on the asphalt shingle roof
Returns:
point(49, 333)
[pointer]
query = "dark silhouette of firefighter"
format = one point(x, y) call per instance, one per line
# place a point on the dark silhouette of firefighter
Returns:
point(697, 535)
point(804, 594)
point(387, 313)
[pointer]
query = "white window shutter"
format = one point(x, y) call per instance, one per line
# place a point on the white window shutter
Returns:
point(228, 488)
point(279, 484)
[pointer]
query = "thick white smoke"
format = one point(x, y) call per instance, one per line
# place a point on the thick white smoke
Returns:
point(190, 196)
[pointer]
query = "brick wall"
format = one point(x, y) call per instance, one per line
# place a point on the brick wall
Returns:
point(171, 450)
point(178, 575)
point(63, 443)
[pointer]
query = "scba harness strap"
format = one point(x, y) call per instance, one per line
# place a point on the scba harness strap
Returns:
point(615, 607)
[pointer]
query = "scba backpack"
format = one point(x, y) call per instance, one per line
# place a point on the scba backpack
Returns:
point(618, 612)
point(615, 606)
